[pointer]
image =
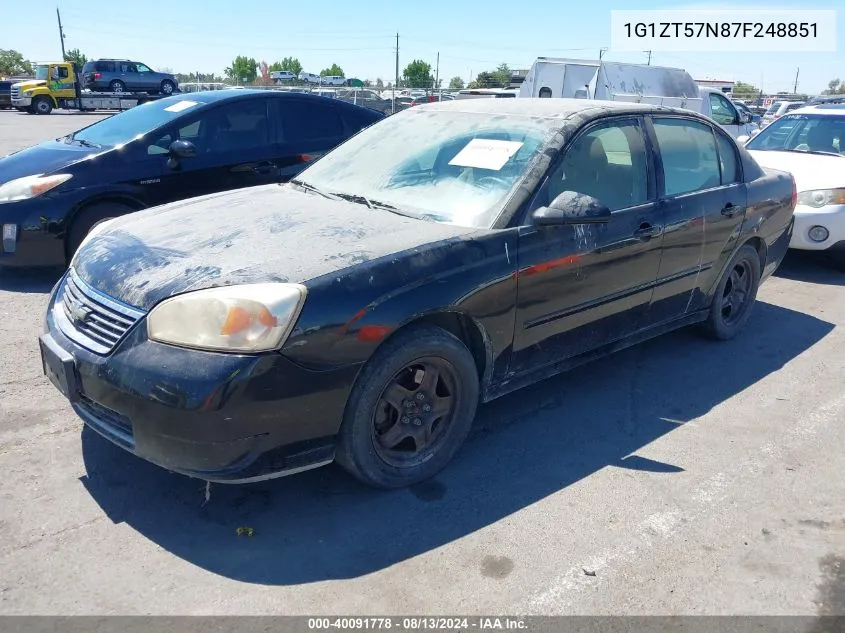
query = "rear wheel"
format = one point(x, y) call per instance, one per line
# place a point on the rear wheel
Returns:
point(735, 295)
point(90, 217)
point(117, 86)
point(410, 410)
point(42, 105)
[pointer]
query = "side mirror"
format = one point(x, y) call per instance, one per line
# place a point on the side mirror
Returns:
point(570, 208)
point(180, 149)
point(183, 149)
point(744, 117)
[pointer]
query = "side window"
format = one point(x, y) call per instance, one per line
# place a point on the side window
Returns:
point(728, 161)
point(305, 121)
point(722, 111)
point(688, 150)
point(143, 69)
point(229, 128)
point(608, 162)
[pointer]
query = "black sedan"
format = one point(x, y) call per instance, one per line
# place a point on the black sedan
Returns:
point(175, 148)
point(447, 255)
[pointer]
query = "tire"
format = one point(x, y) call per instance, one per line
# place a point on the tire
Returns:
point(42, 105)
point(735, 295)
point(87, 219)
point(365, 448)
point(117, 86)
point(168, 87)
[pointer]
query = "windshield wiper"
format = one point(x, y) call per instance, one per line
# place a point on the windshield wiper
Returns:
point(813, 151)
point(372, 204)
point(311, 188)
point(82, 141)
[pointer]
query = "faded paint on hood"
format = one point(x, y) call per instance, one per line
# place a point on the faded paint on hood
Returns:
point(811, 171)
point(261, 234)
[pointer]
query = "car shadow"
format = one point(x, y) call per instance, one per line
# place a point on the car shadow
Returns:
point(811, 267)
point(524, 447)
point(35, 281)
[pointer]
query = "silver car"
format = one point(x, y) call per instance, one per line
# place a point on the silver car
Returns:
point(121, 75)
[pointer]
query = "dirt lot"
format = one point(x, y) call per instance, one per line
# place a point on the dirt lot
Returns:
point(682, 476)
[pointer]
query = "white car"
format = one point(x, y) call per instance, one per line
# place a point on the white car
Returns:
point(778, 109)
point(282, 75)
point(310, 78)
point(810, 143)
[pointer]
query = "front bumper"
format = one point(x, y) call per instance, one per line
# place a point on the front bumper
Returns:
point(218, 417)
point(22, 102)
point(40, 233)
point(831, 217)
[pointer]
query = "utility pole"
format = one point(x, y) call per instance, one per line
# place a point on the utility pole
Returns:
point(602, 51)
point(648, 63)
point(437, 72)
point(61, 32)
point(795, 87)
point(396, 79)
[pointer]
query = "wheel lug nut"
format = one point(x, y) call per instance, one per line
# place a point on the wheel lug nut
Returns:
point(426, 408)
point(405, 419)
point(420, 396)
point(417, 422)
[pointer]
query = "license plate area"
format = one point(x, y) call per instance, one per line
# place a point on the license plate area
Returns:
point(59, 367)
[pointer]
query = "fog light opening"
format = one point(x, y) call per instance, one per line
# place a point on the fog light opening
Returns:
point(818, 233)
point(10, 238)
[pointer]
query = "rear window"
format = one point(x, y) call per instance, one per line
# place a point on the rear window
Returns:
point(794, 106)
point(774, 107)
point(105, 67)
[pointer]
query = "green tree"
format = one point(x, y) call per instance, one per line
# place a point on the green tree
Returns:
point(290, 64)
point(742, 89)
point(334, 70)
point(417, 74)
point(75, 56)
point(13, 63)
point(243, 70)
point(835, 87)
point(499, 78)
point(456, 83)
point(379, 84)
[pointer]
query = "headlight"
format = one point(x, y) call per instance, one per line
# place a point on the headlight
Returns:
point(246, 318)
point(30, 187)
point(821, 197)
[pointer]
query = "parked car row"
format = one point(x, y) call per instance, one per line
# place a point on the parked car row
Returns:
point(273, 313)
point(310, 78)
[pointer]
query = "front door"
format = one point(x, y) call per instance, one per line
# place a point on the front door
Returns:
point(233, 151)
point(583, 286)
point(145, 78)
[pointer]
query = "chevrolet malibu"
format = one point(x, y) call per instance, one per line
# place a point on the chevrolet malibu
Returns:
point(442, 257)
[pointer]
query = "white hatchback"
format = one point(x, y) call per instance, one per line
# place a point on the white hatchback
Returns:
point(810, 144)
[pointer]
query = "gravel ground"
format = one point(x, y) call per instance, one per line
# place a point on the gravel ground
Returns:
point(678, 477)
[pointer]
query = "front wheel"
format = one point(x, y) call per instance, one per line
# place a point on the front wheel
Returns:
point(167, 87)
point(87, 219)
point(410, 410)
point(735, 295)
point(42, 105)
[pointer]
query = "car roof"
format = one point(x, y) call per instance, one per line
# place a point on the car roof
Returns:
point(822, 108)
point(216, 96)
point(547, 108)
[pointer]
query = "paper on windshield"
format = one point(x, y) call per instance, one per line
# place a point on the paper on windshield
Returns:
point(486, 153)
point(180, 105)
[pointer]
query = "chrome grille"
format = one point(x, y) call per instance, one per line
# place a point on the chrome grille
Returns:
point(90, 318)
point(16, 92)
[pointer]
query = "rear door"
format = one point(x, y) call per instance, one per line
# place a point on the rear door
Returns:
point(305, 130)
point(234, 150)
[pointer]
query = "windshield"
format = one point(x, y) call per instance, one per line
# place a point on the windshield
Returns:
point(125, 126)
point(445, 166)
point(41, 72)
point(812, 133)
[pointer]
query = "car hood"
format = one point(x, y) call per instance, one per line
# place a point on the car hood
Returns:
point(811, 171)
point(29, 85)
point(44, 158)
point(273, 233)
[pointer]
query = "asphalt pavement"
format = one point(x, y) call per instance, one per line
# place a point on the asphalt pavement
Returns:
point(682, 476)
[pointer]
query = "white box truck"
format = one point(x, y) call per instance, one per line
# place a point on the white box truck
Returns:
point(616, 81)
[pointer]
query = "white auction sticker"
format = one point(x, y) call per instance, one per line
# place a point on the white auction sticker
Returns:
point(724, 30)
point(180, 105)
point(486, 153)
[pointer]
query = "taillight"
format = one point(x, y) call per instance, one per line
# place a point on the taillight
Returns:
point(97, 75)
point(794, 194)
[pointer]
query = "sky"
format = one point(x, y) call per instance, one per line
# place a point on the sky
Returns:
point(470, 37)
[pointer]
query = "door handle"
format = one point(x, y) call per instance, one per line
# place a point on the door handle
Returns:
point(647, 231)
point(730, 210)
point(263, 168)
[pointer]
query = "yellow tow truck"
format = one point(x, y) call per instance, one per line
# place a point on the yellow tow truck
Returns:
point(57, 86)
